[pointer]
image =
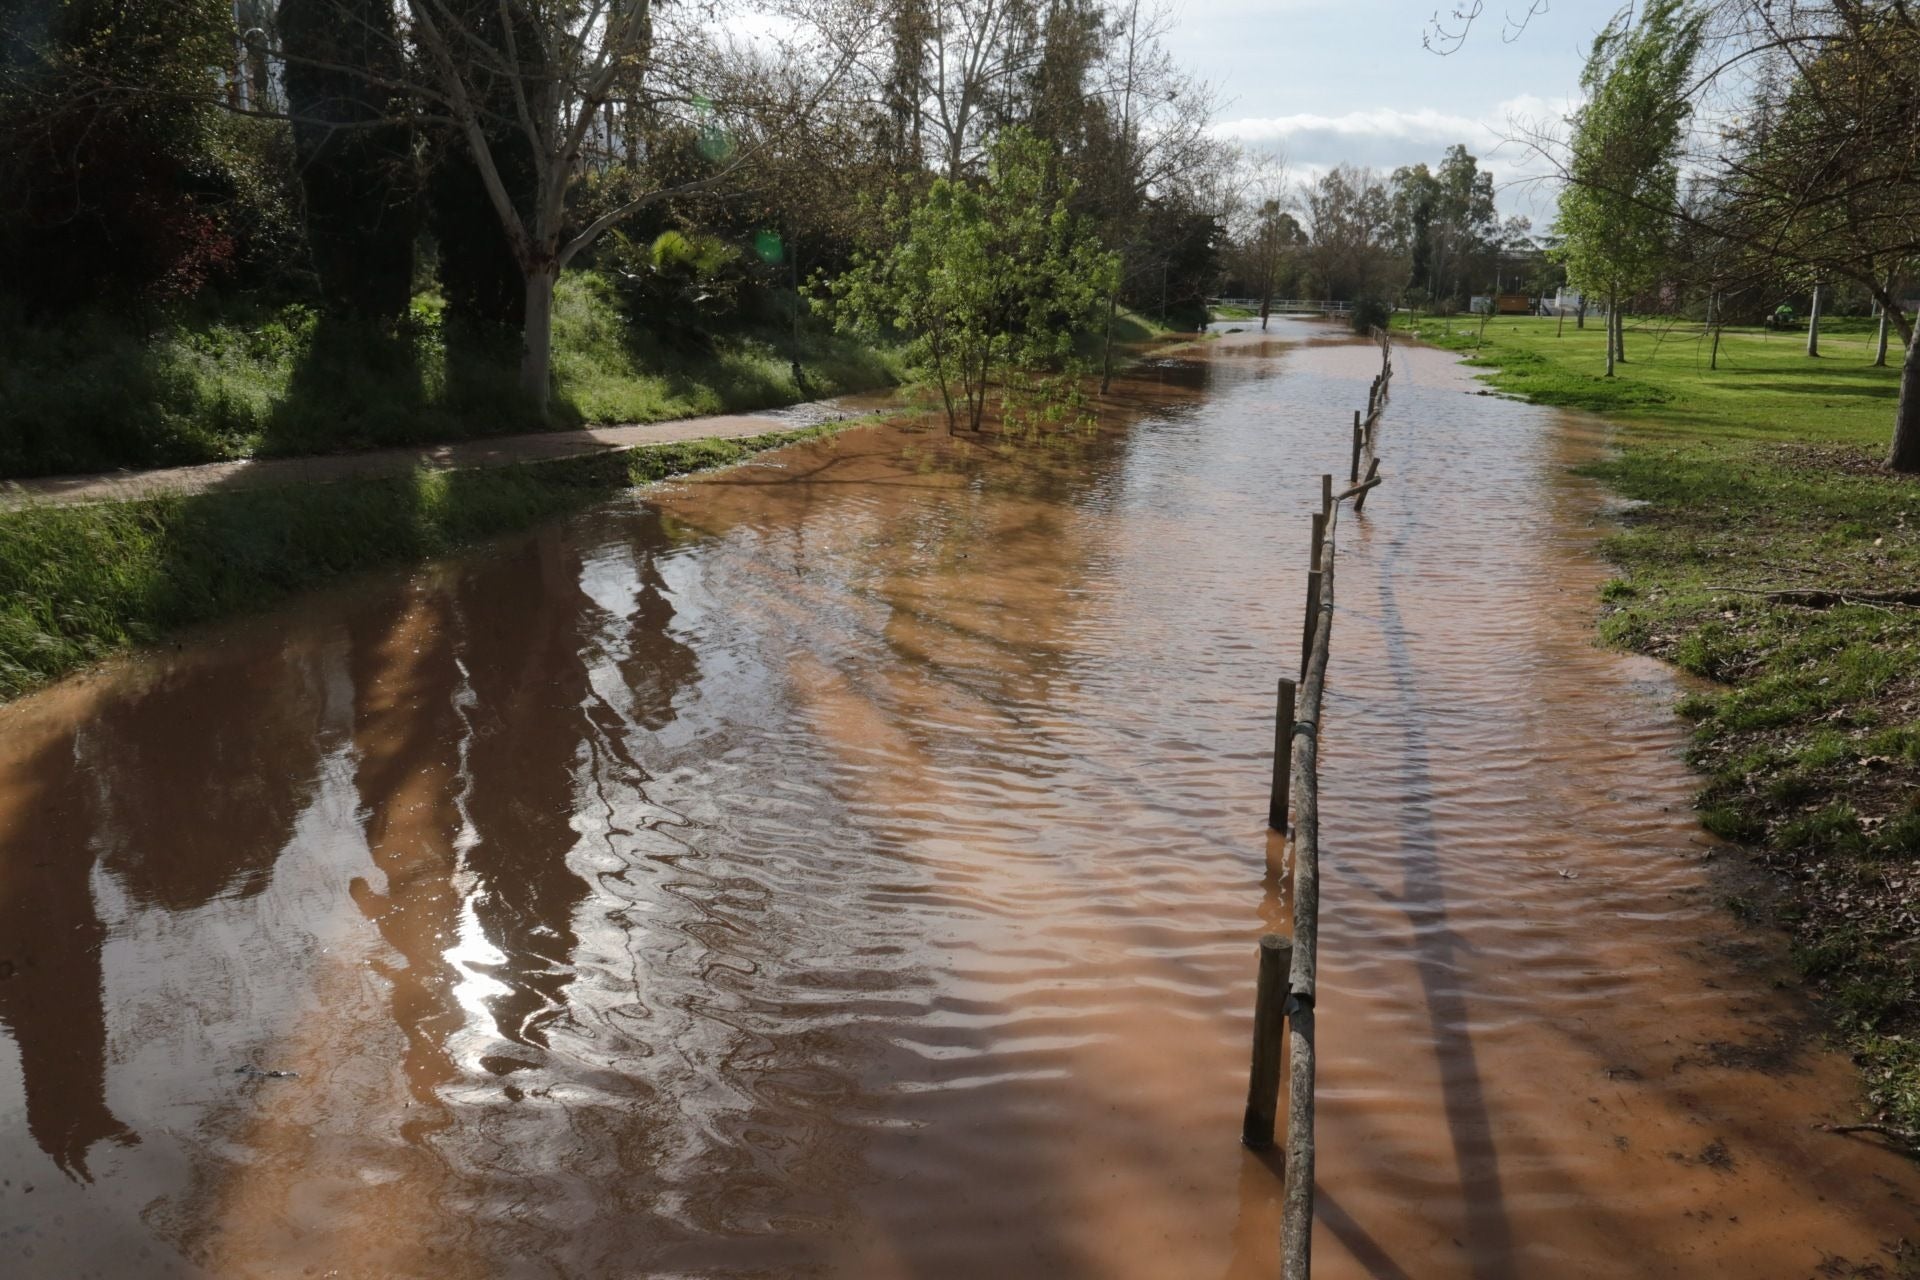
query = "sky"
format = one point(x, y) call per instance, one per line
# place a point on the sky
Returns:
point(1326, 82)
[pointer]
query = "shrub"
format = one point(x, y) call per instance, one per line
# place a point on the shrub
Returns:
point(1371, 313)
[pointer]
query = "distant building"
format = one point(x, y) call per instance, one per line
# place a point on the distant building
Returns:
point(1565, 302)
point(1502, 304)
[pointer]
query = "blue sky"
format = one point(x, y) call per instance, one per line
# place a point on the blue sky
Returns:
point(1332, 81)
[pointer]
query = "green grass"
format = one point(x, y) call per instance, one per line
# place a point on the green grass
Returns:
point(78, 583)
point(1232, 313)
point(1760, 476)
point(102, 390)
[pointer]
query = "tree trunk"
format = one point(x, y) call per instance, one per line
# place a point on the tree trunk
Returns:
point(1613, 317)
point(1106, 356)
point(1619, 333)
point(1880, 355)
point(1905, 455)
point(1813, 323)
point(536, 360)
point(1713, 320)
point(1580, 313)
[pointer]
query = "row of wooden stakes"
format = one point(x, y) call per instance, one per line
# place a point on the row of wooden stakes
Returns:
point(1283, 1026)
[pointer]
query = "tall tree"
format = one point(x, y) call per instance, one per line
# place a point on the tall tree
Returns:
point(1349, 226)
point(353, 147)
point(533, 87)
point(1622, 176)
point(1266, 235)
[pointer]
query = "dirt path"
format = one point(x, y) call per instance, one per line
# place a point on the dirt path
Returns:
point(497, 451)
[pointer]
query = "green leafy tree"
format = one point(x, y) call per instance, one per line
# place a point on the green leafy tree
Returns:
point(989, 281)
point(109, 187)
point(1623, 175)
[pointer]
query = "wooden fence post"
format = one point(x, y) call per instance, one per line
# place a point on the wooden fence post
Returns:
point(1269, 1042)
point(1326, 508)
point(1360, 500)
point(1282, 758)
point(1313, 618)
point(1353, 472)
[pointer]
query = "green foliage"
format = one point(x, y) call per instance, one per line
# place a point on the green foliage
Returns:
point(1446, 222)
point(98, 390)
point(683, 286)
point(1622, 176)
point(986, 281)
point(106, 193)
point(1370, 314)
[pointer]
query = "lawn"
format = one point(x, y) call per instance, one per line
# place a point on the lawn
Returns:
point(223, 378)
point(1761, 478)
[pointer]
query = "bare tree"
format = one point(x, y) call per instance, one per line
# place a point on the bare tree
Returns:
point(1264, 232)
point(559, 66)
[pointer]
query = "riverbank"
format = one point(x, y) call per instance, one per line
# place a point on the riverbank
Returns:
point(1760, 531)
point(94, 564)
point(81, 582)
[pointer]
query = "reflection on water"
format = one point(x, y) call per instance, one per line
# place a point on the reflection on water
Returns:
point(849, 864)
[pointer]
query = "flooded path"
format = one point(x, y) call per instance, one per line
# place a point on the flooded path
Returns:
point(850, 865)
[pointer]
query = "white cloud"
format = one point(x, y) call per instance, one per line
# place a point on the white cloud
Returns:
point(1385, 138)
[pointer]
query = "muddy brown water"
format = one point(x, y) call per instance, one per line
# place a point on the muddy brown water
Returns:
point(850, 864)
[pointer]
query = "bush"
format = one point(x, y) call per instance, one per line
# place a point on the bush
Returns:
point(683, 286)
point(1369, 314)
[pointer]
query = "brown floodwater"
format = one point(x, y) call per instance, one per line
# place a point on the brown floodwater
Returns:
point(850, 864)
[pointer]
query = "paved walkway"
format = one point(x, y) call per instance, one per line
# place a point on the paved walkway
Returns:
point(266, 473)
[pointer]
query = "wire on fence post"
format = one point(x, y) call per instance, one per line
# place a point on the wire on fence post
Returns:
point(1269, 1042)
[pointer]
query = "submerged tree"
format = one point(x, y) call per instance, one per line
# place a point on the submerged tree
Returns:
point(987, 280)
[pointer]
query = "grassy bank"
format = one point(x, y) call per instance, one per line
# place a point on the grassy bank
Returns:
point(1760, 478)
point(105, 390)
point(80, 583)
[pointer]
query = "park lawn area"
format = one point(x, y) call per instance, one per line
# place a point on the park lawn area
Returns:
point(1758, 478)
